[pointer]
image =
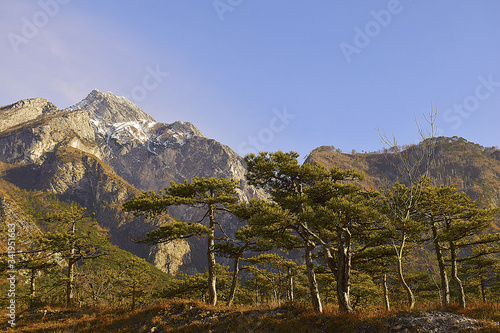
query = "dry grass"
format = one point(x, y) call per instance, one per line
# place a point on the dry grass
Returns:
point(485, 313)
point(190, 316)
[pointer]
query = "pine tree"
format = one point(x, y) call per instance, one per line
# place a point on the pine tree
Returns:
point(399, 206)
point(483, 272)
point(280, 275)
point(211, 195)
point(341, 215)
point(322, 208)
point(35, 263)
point(74, 237)
point(246, 239)
point(458, 223)
point(285, 179)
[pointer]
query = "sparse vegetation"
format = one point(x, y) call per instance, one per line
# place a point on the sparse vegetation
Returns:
point(191, 316)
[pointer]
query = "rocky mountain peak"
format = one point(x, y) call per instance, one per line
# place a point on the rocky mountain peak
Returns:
point(185, 127)
point(109, 108)
point(23, 111)
point(38, 104)
point(116, 119)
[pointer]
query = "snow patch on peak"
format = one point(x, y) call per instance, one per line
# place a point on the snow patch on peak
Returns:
point(132, 130)
point(127, 131)
point(119, 122)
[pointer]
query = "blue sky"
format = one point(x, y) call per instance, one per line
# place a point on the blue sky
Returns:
point(267, 75)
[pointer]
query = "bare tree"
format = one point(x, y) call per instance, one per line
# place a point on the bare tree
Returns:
point(411, 164)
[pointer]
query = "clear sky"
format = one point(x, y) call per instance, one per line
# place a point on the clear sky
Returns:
point(267, 75)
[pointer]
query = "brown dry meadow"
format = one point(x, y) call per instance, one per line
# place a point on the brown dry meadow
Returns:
point(191, 316)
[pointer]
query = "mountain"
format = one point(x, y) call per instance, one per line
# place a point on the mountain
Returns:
point(104, 150)
point(473, 168)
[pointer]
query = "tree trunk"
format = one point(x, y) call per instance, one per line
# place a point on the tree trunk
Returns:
point(290, 283)
point(344, 269)
point(71, 277)
point(454, 274)
point(445, 287)
point(386, 293)
point(212, 278)
point(399, 256)
point(71, 271)
point(313, 284)
point(234, 281)
point(32, 286)
point(330, 260)
point(483, 289)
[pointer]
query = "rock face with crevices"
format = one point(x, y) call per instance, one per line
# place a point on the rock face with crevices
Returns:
point(24, 111)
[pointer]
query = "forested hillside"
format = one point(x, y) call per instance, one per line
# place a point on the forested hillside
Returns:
point(473, 168)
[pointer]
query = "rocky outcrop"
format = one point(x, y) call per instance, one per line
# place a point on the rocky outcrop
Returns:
point(433, 321)
point(29, 142)
point(81, 177)
point(24, 111)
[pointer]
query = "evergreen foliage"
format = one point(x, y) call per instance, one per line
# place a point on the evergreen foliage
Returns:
point(361, 248)
point(208, 194)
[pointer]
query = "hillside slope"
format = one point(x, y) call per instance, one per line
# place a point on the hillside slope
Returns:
point(473, 168)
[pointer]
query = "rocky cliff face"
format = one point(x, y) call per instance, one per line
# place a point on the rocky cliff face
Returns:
point(149, 154)
point(31, 138)
point(24, 111)
point(101, 151)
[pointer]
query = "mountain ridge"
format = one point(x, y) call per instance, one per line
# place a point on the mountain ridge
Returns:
point(455, 161)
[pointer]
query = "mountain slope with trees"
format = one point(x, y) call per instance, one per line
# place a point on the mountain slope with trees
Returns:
point(473, 168)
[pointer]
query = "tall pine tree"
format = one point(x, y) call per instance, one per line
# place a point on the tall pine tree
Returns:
point(210, 195)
